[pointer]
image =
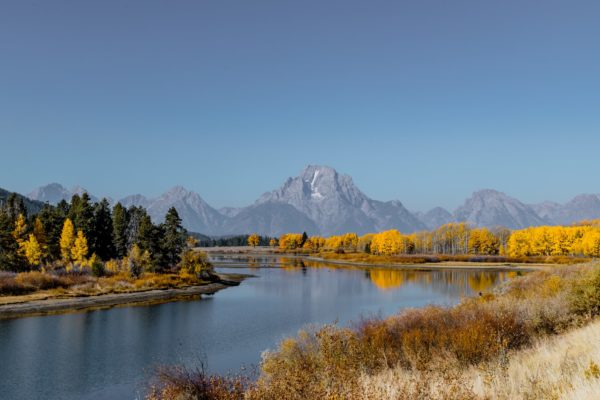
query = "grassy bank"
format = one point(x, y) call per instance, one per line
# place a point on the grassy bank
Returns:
point(441, 258)
point(29, 286)
point(484, 348)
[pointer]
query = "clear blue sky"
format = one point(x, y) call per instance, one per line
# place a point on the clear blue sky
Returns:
point(421, 101)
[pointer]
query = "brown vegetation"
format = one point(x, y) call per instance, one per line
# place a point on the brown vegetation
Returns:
point(462, 352)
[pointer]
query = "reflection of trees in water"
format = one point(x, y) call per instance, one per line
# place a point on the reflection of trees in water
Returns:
point(451, 282)
point(292, 264)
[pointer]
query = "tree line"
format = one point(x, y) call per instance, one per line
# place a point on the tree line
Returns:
point(459, 239)
point(82, 234)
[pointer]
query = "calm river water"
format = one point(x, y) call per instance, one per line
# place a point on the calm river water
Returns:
point(109, 354)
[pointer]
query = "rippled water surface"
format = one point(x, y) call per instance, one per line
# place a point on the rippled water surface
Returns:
point(109, 354)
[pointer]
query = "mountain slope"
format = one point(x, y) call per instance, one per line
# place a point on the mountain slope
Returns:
point(492, 208)
point(32, 206)
point(195, 213)
point(53, 193)
point(272, 219)
point(435, 217)
point(336, 205)
point(582, 207)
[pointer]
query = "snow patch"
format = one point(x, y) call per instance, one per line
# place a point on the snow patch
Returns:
point(314, 191)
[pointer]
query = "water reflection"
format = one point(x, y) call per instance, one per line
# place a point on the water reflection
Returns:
point(104, 354)
point(454, 282)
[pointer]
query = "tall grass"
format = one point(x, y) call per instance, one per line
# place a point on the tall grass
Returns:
point(460, 352)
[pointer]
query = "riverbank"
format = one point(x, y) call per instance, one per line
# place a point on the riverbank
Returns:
point(544, 323)
point(59, 301)
point(462, 265)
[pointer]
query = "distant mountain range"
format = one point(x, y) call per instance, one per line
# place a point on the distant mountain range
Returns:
point(322, 201)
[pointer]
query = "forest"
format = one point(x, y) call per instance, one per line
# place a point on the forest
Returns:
point(582, 239)
point(62, 245)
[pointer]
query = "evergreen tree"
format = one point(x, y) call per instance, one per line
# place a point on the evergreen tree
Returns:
point(52, 219)
point(120, 221)
point(9, 250)
point(81, 214)
point(174, 238)
point(102, 244)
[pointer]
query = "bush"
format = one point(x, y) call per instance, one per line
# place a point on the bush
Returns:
point(585, 298)
point(179, 383)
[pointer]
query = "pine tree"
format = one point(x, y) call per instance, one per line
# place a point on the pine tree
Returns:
point(102, 245)
point(119, 222)
point(173, 239)
point(52, 219)
point(81, 214)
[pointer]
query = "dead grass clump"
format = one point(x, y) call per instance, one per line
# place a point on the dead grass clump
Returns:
point(179, 383)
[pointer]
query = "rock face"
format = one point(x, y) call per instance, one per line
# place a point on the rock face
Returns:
point(322, 201)
point(336, 205)
point(273, 219)
point(582, 207)
point(492, 208)
point(435, 217)
point(196, 214)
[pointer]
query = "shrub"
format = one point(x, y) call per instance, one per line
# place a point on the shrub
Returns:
point(585, 298)
point(180, 383)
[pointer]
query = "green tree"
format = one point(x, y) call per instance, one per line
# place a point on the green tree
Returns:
point(102, 244)
point(174, 238)
point(120, 221)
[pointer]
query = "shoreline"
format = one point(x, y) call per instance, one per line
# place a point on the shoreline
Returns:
point(448, 265)
point(104, 301)
point(457, 265)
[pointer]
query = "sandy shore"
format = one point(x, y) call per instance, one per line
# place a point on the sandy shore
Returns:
point(58, 305)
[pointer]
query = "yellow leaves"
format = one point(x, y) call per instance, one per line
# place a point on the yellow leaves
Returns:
point(555, 241)
point(347, 241)
point(32, 250)
point(67, 238)
point(19, 233)
point(314, 243)
point(290, 241)
point(253, 240)
point(482, 241)
point(590, 243)
point(273, 242)
point(79, 251)
point(390, 242)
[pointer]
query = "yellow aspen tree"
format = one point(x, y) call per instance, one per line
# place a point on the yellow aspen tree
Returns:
point(32, 250)
point(253, 240)
point(19, 233)
point(67, 238)
point(273, 242)
point(79, 251)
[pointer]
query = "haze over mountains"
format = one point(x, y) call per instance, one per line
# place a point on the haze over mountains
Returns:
point(322, 201)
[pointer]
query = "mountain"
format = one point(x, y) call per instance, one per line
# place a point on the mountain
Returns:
point(135, 200)
point(322, 201)
point(336, 205)
point(195, 213)
point(230, 211)
point(492, 208)
point(435, 217)
point(582, 207)
point(32, 206)
point(273, 219)
point(53, 193)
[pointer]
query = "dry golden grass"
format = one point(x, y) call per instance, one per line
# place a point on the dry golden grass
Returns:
point(524, 341)
point(27, 286)
point(560, 367)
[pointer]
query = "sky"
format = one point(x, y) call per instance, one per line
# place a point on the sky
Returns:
point(421, 101)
